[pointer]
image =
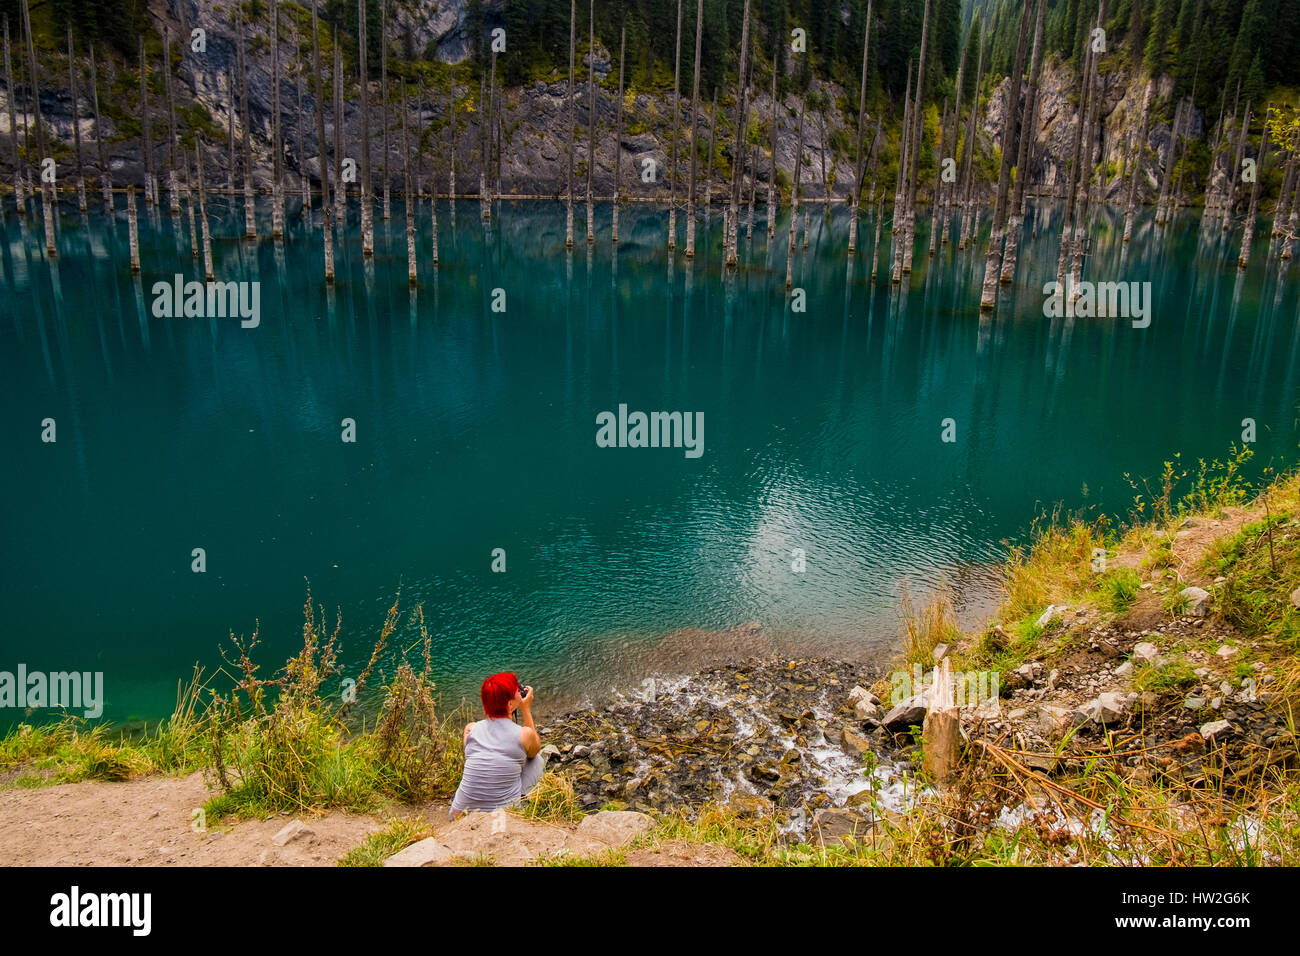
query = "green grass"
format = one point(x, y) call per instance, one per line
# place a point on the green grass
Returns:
point(379, 846)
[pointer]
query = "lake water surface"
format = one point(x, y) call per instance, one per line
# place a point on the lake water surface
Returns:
point(475, 430)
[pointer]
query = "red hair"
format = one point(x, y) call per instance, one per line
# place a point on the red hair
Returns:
point(498, 691)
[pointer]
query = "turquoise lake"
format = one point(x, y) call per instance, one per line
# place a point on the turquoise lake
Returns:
point(476, 430)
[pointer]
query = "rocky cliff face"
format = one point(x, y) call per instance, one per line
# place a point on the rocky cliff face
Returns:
point(535, 118)
point(1124, 94)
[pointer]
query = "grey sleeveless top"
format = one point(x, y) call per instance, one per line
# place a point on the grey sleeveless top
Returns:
point(494, 763)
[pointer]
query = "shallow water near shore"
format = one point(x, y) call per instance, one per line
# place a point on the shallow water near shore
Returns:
point(475, 430)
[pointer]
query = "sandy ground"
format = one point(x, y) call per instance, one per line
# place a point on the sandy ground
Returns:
point(150, 822)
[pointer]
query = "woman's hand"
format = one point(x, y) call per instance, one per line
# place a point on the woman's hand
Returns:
point(526, 700)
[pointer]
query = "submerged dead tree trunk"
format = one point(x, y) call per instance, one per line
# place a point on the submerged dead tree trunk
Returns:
point(250, 222)
point(737, 152)
point(1248, 234)
point(1130, 206)
point(993, 258)
point(203, 210)
point(1231, 198)
point(76, 123)
point(618, 133)
point(677, 109)
point(695, 109)
point(340, 193)
point(408, 200)
point(1072, 179)
point(277, 150)
point(794, 199)
point(367, 210)
point(771, 170)
point(173, 186)
point(383, 86)
point(1027, 134)
point(326, 210)
point(573, 125)
point(146, 128)
point(591, 118)
point(858, 168)
point(1086, 167)
point(20, 200)
point(47, 189)
point(965, 228)
point(105, 177)
point(914, 153)
point(898, 231)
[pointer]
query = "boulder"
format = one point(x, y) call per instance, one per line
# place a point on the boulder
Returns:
point(905, 714)
point(295, 830)
point(839, 825)
point(1058, 720)
point(422, 853)
point(1198, 600)
point(1108, 708)
point(855, 742)
point(1145, 651)
point(866, 710)
point(1215, 728)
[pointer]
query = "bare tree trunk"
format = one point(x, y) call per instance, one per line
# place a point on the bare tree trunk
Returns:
point(304, 178)
point(993, 259)
point(433, 202)
point(451, 149)
point(76, 123)
point(189, 206)
point(277, 149)
point(771, 173)
point(677, 100)
point(132, 229)
point(105, 177)
point(150, 181)
point(914, 154)
point(367, 210)
point(1231, 197)
point(573, 124)
point(708, 166)
point(340, 191)
point(203, 211)
point(173, 187)
point(1071, 184)
point(1086, 169)
point(618, 135)
point(407, 198)
point(383, 85)
point(965, 229)
point(47, 189)
point(11, 93)
point(794, 199)
point(1027, 134)
point(230, 131)
point(1130, 206)
point(862, 115)
point(591, 118)
point(737, 153)
point(250, 222)
point(695, 109)
point(1171, 159)
point(898, 232)
point(1248, 234)
point(326, 207)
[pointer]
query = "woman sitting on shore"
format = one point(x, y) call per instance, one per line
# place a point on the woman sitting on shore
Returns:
point(502, 761)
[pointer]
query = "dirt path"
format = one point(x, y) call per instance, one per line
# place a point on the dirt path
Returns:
point(150, 822)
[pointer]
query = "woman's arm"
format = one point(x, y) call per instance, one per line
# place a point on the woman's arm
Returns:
point(465, 739)
point(528, 737)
